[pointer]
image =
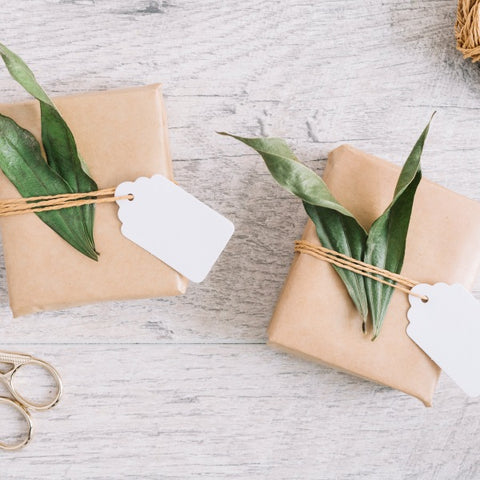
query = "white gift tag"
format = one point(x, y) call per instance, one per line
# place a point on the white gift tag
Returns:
point(447, 329)
point(173, 225)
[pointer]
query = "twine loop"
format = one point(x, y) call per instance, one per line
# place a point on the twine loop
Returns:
point(381, 275)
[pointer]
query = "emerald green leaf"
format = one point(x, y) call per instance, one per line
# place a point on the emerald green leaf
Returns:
point(58, 140)
point(336, 227)
point(343, 234)
point(22, 162)
point(63, 158)
point(291, 174)
point(387, 236)
point(22, 74)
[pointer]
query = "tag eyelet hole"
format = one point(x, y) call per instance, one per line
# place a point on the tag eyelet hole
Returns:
point(130, 197)
point(424, 299)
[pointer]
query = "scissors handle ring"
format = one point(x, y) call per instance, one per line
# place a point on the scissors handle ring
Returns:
point(28, 419)
point(28, 403)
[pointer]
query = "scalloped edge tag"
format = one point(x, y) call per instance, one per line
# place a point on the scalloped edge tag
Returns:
point(447, 328)
point(173, 225)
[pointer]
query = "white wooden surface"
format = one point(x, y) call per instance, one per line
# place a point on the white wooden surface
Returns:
point(186, 388)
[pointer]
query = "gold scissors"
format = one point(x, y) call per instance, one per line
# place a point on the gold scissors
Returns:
point(19, 402)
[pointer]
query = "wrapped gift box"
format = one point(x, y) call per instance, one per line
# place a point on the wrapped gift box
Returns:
point(122, 135)
point(316, 318)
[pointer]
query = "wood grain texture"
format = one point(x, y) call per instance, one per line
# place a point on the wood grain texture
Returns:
point(185, 387)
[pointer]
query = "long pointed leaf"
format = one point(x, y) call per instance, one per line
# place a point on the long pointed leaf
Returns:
point(342, 234)
point(336, 227)
point(58, 141)
point(387, 236)
point(63, 158)
point(291, 174)
point(22, 162)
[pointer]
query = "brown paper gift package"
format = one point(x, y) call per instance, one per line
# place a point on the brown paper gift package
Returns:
point(315, 317)
point(122, 135)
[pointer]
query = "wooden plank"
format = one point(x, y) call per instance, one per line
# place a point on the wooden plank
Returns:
point(231, 411)
point(184, 387)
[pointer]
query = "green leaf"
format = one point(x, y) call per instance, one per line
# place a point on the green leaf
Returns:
point(291, 174)
point(336, 227)
point(22, 74)
point(387, 236)
point(22, 162)
point(343, 234)
point(63, 158)
point(58, 140)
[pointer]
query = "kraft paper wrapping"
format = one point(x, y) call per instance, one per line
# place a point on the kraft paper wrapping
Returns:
point(122, 135)
point(315, 317)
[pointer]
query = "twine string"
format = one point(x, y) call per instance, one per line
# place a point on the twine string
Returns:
point(45, 203)
point(381, 275)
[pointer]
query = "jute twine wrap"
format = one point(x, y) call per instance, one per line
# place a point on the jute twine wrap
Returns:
point(19, 206)
point(467, 29)
point(381, 275)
